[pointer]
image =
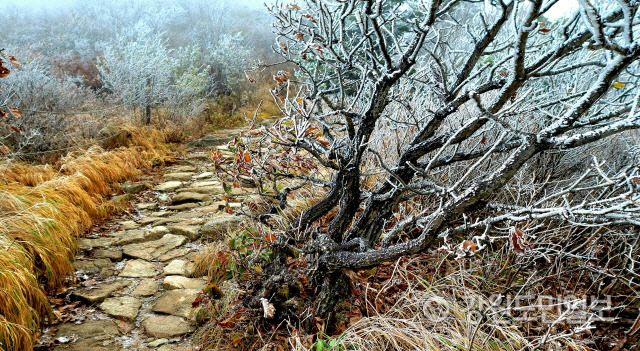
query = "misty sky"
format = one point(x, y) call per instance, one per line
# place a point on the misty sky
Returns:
point(561, 8)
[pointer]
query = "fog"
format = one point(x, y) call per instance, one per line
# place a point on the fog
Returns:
point(168, 57)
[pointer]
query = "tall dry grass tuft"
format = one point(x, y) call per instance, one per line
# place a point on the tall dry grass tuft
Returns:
point(42, 212)
point(440, 317)
point(434, 320)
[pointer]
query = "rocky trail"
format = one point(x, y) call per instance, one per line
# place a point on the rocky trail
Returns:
point(134, 282)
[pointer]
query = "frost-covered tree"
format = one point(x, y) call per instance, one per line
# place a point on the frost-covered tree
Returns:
point(139, 71)
point(424, 136)
point(143, 72)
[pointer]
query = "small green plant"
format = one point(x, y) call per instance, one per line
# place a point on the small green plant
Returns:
point(329, 343)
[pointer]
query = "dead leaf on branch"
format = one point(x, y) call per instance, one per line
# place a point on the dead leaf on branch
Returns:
point(519, 244)
point(4, 72)
point(468, 247)
point(14, 111)
point(268, 308)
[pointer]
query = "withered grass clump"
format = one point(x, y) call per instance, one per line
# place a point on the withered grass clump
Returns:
point(43, 209)
point(442, 317)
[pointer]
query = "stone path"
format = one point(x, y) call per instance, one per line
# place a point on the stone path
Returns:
point(136, 281)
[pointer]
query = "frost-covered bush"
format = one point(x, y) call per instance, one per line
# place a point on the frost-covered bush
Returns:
point(34, 86)
point(230, 57)
point(57, 111)
point(143, 72)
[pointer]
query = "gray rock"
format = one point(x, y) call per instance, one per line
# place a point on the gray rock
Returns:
point(125, 307)
point(183, 207)
point(93, 243)
point(134, 188)
point(203, 175)
point(122, 199)
point(176, 302)
point(183, 176)
point(146, 206)
point(139, 268)
point(221, 224)
point(163, 198)
point(162, 222)
point(92, 266)
point(179, 267)
point(179, 282)
point(147, 287)
point(140, 235)
point(166, 326)
point(191, 232)
point(169, 186)
point(128, 225)
point(89, 329)
point(90, 345)
point(175, 253)
point(100, 292)
point(148, 220)
point(158, 342)
point(208, 190)
point(186, 197)
point(213, 208)
point(113, 255)
point(178, 169)
point(151, 250)
point(207, 183)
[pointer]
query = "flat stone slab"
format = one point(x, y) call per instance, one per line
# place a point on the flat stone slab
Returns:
point(122, 199)
point(179, 282)
point(91, 345)
point(147, 220)
point(93, 243)
point(210, 190)
point(125, 307)
point(89, 329)
point(99, 292)
point(166, 326)
point(186, 197)
point(203, 175)
point(184, 176)
point(128, 225)
point(158, 342)
point(176, 302)
point(184, 207)
point(113, 255)
point(173, 254)
point(179, 267)
point(151, 250)
point(139, 268)
point(92, 266)
point(207, 183)
point(134, 188)
point(146, 206)
point(184, 168)
point(147, 287)
point(140, 235)
point(191, 232)
point(221, 224)
point(169, 186)
point(194, 156)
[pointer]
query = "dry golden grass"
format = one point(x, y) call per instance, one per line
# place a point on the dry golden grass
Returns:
point(42, 212)
point(439, 318)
